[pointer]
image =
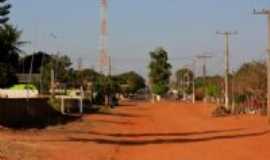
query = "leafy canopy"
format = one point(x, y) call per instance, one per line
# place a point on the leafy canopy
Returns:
point(184, 79)
point(130, 82)
point(4, 11)
point(160, 71)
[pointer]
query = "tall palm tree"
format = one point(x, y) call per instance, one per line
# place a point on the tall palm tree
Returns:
point(10, 45)
point(4, 11)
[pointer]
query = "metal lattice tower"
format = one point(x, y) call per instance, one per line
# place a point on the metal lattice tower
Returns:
point(104, 58)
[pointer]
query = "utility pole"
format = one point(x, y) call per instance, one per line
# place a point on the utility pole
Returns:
point(186, 81)
point(53, 69)
point(110, 65)
point(267, 13)
point(226, 67)
point(193, 82)
point(52, 83)
point(80, 64)
point(204, 59)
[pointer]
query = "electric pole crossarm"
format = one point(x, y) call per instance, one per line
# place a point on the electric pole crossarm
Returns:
point(227, 33)
point(263, 11)
point(193, 82)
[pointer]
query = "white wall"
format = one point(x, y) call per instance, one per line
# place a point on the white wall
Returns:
point(18, 93)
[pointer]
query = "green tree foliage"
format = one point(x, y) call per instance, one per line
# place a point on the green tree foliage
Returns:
point(213, 85)
point(4, 11)
point(60, 65)
point(160, 88)
point(87, 75)
point(209, 86)
point(105, 86)
point(160, 71)
point(213, 90)
point(10, 45)
point(130, 82)
point(184, 79)
point(251, 79)
point(83, 77)
point(9, 53)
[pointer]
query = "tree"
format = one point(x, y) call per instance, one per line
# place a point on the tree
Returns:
point(83, 77)
point(10, 45)
point(160, 71)
point(214, 85)
point(104, 88)
point(60, 65)
point(184, 79)
point(4, 11)
point(251, 80)
point(130, 82)
point(213, 90)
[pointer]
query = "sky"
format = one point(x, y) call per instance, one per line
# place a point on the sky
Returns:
point(185, 28)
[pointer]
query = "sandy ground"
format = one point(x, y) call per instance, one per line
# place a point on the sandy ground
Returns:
point(144, 131)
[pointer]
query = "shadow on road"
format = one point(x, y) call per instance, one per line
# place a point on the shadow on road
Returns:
point(115, 122)
point(164, 134)
point(128, 105)
point(124, 115)
point(161, 140)
point(166, 141)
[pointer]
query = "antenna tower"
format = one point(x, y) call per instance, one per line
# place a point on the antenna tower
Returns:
point(104, 58)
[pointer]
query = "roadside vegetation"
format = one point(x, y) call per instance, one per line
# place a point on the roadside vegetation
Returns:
point(160, 73)
point(247, 87)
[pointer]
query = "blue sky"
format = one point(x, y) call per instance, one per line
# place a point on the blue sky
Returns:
point(184, 27)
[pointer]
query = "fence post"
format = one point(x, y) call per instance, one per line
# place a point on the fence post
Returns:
point(81, 101)
point(62, 105)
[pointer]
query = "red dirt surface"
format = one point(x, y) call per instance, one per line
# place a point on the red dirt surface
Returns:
point(144, 131)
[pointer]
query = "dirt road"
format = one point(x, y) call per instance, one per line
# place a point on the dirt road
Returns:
point(143, 131)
